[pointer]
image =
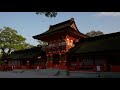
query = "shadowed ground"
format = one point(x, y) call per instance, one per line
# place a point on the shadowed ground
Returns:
point(55, 73)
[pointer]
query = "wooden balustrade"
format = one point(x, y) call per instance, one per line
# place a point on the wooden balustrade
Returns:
point(11, 67)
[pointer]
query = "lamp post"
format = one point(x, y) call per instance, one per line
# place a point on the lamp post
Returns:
point(39, 62)
point(39, 59)
point(28, 64)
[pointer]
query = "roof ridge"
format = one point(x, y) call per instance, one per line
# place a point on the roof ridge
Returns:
point(102, 36)
point(69, 20)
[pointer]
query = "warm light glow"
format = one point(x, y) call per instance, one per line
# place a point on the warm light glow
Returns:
point(68, 43)
point(39, 57)
point(67, 38)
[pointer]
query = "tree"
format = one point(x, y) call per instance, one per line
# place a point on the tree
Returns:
point(94, 33)
point(47, 14)
point(42, 43)
point(10, 40)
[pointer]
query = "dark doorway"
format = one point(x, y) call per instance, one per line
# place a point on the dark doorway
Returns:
point(108, 67)
point(56, 59)
point(109, 62)
point(74, 59)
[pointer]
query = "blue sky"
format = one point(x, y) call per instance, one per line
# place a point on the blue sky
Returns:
point(29, 24)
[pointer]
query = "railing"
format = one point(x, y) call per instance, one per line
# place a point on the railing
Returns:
point(11, 67)
point(72, 67)
point(5, 67)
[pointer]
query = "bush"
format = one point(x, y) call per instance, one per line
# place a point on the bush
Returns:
point(1, 62)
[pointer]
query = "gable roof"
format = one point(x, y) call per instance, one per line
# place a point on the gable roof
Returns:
point(61, 25)
point(27, 53)
point(102, 43)
point(59, 28)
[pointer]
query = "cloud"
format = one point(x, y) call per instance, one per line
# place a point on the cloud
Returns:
point(108, 14)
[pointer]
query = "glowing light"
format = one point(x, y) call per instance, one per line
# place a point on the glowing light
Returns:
point(67, 38)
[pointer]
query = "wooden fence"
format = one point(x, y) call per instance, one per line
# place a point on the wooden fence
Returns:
point(11, 67)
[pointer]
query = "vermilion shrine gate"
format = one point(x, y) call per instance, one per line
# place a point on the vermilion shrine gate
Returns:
point(60, 38)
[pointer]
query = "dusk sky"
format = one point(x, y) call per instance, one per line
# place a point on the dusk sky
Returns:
point(29, 24)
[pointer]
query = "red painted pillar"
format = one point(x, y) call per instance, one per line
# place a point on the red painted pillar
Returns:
point(94, 65)
point(49, 61)
point(60, 62)
point(69, 62)
point(78, 63)
point(65, 61)
point(105, 65)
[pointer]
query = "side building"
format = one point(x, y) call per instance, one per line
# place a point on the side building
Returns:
point(100, 53)
point(27, 58)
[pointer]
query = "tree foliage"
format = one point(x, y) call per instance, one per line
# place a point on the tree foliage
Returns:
point(47, 14)
point(94, 33)
point(42, 43)
point(10, 40)
point(1, 62)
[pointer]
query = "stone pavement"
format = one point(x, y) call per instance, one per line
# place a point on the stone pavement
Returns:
point(55, 73)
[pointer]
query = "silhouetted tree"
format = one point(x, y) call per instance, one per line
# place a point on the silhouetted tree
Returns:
point(47, 14)
point(94, 33)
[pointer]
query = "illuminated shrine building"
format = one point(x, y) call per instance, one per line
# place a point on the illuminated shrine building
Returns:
point(70, 49)
point(60, 38)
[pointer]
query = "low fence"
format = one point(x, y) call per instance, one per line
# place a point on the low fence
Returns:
point(70, 68)
point(11, 67)
point(5, 67)
point(93, 68)
point(115, 68)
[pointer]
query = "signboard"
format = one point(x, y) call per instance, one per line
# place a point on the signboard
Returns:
point(5, 60)
point(98, 68)
point(37, 67)
point(73, 64)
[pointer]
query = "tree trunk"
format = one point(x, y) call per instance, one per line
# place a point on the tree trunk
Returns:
point(9, 51)
point(3, 53)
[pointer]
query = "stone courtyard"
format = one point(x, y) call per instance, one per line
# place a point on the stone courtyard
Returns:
point(55, 73)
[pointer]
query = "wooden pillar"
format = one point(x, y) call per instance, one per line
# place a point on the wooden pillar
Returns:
point(65, 61)
point(59, 61)
point(28, 64)
point(94, 65)
point(51, 60)
point(65, 58)
point(78, 62)
point(47, 62)
point(62, 64)
point(60, 58)
point(69, 62)
point(81, 59)
point(105, 64)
